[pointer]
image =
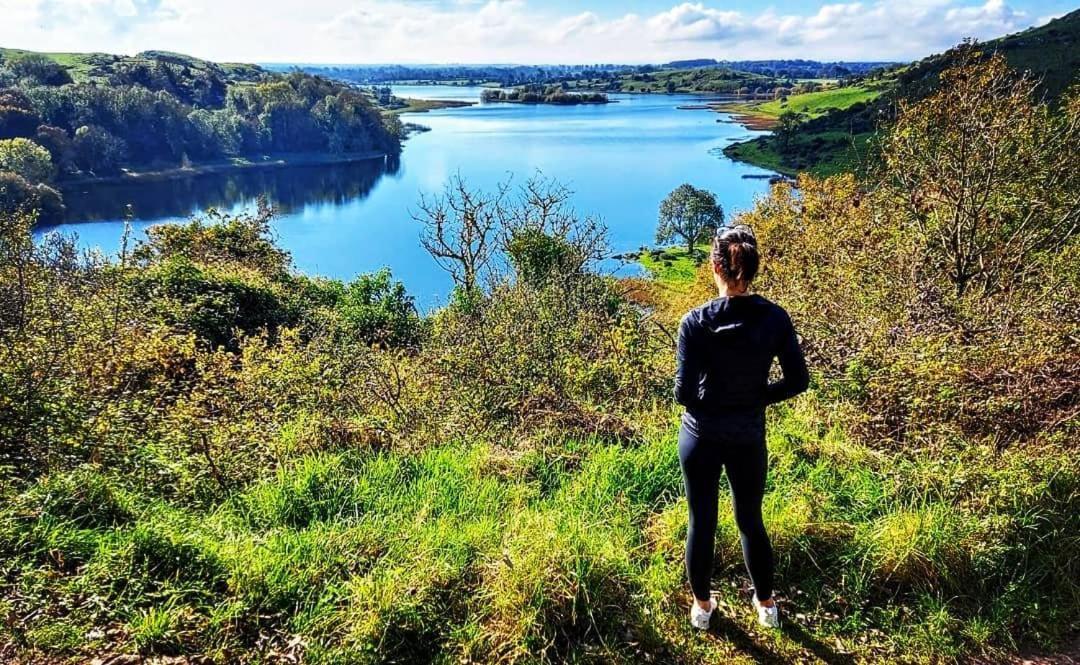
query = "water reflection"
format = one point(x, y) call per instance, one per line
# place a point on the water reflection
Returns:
point(289, 189)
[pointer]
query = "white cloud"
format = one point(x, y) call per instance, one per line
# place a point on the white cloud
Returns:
point(498, 30)
point(696, 22)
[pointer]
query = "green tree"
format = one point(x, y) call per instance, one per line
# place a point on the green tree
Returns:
point(98, 150)
point(786, 130)
point(689, 214)
point(26, 158)
point(39, 69)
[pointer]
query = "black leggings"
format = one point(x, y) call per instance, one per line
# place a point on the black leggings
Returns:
point(739, 450)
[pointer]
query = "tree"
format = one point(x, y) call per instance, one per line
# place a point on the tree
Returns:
point(59, 145)
point(39, 68)
point(26, 158)
point(786, 129)
point(460, 231)
point(986, 176)
point(17, 117)
point(690, 214)
point(97, 150)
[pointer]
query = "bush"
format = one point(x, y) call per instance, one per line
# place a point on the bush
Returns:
point(26, 158)
point(214, 305)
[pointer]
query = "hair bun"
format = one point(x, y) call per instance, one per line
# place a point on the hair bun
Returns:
point(735, 254)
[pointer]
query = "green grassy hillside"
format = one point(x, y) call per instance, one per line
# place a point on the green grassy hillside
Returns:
point(816, 104)
point(838, 122)
point(101, 67)
point(1050, 52)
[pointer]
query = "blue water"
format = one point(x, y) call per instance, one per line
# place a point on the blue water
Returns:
point(620, 160)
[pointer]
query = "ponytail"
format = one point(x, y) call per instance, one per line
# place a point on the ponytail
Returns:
point(735, 254)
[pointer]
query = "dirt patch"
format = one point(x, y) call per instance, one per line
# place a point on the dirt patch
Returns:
point(756, 122)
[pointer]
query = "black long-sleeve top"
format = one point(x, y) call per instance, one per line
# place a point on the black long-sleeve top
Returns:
point(725, 351)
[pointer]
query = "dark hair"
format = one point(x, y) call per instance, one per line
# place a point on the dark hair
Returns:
point(735, 254)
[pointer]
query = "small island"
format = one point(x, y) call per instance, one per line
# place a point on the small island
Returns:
point(541, 94)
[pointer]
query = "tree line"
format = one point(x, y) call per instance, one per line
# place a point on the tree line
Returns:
point(163, 110)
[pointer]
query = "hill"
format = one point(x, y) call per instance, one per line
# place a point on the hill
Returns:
point(66, 116)
point(836, 124)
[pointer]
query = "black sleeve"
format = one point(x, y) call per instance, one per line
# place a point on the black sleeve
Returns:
point(793, 365)
point(687, 366)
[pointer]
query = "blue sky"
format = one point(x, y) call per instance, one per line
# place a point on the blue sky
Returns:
point(525, 31)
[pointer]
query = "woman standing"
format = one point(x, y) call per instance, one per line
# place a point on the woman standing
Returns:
point(725, 351)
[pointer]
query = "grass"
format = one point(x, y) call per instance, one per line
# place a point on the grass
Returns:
point(820, 153)
point(672, 267)
point(816, 104)
point(570, 551)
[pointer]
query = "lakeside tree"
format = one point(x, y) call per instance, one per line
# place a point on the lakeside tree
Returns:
point(786, 130)
point(460, 231)
point(689, 214)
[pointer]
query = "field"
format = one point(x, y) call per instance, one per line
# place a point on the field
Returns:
point(817, 104)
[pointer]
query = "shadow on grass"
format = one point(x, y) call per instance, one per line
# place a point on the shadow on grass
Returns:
point(798, 634)
point(727, 629)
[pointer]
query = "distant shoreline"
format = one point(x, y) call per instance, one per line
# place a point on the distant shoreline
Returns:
point(178, 173)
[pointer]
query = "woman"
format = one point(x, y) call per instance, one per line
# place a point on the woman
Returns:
point(725, 351)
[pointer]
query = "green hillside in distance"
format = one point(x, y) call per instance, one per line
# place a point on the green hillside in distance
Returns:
point(84, 67)
point(820, 102)
point(835, 124)
point(1049, 52)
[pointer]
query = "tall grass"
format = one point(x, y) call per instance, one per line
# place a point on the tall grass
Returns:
point(569, 552)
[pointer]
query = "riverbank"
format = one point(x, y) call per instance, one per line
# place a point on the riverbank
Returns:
point(818, 146)
point(129, 176)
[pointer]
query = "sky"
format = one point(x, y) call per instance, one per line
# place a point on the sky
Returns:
point(517, 31)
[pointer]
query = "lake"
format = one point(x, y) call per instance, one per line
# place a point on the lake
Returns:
point(620, 159)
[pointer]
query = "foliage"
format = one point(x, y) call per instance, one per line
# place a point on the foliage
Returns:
point(982, 126)
point(97, 150)
point(17, 196)
point(164, 110)
point(25, 158)
point(787, 127)
point(206, 455)
point(826, 141)
point(37, 68)
point(690, 214)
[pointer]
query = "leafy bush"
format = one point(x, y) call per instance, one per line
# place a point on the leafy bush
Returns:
point(25, 158)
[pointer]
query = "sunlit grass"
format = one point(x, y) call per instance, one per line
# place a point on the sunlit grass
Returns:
point(459, 551)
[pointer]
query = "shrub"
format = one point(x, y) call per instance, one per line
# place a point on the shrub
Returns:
point(26, 158)
point(214, 305)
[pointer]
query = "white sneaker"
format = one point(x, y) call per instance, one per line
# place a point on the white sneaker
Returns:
point(767, 616)
point(699, 618)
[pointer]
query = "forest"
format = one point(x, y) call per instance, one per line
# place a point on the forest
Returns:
point(207, 454)
point(93, 116)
